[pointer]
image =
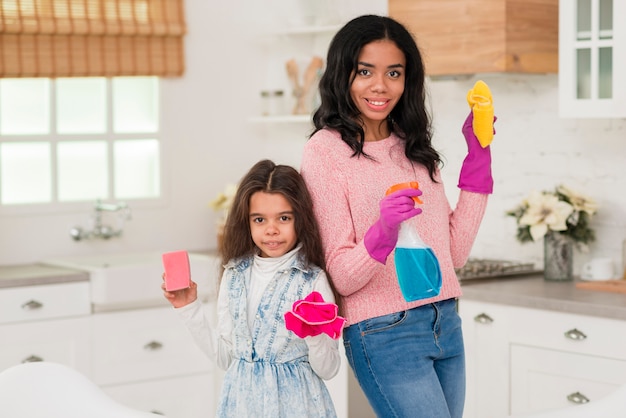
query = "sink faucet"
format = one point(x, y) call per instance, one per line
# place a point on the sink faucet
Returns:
point(99, 229)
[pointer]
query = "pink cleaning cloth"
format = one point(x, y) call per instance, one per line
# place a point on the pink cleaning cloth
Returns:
point(312, 316)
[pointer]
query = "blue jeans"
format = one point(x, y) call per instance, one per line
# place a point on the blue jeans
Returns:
point(410, 364)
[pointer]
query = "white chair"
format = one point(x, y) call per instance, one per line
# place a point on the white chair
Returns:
point(611, 406)
point(52, 390)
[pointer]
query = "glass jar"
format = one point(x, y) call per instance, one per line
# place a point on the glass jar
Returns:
point(272, 102)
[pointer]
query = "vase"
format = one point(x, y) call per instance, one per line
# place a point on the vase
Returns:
point(558, 252)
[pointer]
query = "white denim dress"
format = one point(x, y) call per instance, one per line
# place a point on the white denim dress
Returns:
point(270, 375)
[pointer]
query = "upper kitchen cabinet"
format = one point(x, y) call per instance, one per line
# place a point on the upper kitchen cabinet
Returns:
point(477, 36)
point(592, 59)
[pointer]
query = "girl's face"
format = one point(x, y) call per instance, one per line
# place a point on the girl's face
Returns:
point(378, 85)
point(272, 224)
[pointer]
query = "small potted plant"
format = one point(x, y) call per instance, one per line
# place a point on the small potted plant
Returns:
point(561, 218)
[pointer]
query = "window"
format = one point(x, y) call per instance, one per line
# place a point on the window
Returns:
point(79, 139)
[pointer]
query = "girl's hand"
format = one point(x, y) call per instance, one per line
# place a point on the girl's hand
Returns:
point(183, 297)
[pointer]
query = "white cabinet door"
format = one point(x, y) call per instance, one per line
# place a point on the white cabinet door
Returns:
point(64, 341)
point(183, 397)
point(592, 58)
point(523, 360)
point(544, 379)
point(485, 328)
point(146, 359)
point(131, 346)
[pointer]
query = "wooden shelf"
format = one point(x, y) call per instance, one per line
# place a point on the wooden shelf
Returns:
point(305, 30)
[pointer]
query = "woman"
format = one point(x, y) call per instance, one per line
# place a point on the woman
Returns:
point(372, 130)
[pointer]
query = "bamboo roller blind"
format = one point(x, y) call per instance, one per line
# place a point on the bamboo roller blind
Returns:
point(65, 38)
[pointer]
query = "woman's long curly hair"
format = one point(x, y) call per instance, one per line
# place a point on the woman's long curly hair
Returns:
point(268, 177)
point(409, 119)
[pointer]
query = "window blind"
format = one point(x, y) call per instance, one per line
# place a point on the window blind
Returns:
point(78, 38)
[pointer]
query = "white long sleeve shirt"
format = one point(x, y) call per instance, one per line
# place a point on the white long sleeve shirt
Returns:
point(216, 339)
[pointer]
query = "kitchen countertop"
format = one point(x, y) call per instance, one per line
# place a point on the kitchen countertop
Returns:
point(529, 291)
point(38, 274)
point(532, 291)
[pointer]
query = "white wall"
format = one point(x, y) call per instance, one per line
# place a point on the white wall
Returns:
point(536, 150)
point(209, 142)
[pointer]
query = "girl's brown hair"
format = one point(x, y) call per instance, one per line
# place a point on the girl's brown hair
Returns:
point(266, 176)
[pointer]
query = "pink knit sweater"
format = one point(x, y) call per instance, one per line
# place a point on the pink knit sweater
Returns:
point(346, 193)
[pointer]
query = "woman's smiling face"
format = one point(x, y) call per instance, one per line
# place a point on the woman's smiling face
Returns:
point(378, 85)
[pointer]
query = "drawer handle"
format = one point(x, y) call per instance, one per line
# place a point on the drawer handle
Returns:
point(577, 398)
point(154, 411)
point(32, 359)
point(31, 305)
point(153, 346)
point(574, 334)
point(483, 318)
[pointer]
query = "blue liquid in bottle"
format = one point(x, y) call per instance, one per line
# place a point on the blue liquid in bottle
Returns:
point(418, 273)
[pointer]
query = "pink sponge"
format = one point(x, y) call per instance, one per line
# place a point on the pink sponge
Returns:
point(177, 271)
point(312, 316)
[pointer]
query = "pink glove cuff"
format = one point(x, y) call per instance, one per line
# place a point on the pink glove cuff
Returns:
point(378, 244)
point(475, 175)
point(312, 316)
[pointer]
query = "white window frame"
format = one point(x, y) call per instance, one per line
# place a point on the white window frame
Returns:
point(54, 206)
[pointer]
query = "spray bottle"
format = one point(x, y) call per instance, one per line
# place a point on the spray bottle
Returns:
point(417, 267)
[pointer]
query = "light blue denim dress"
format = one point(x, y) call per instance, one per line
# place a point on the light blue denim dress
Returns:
point(270, 375)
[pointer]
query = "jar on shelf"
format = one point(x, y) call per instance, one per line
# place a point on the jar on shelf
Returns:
point(272, 102)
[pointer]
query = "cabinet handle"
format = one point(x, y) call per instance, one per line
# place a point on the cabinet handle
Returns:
point(483, 318)
point(154, 411)
point(577, 398)
point(574, 334)
point(153, 346)
point(32, 305)
point(32, 359)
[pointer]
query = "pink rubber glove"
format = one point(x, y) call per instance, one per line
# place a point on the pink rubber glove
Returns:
point(381, 238)
point(312, 316)
point(476, 169)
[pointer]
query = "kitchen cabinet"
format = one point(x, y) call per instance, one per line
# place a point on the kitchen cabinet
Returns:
point(476, 36)
point(180, 397)
point(485, 328)
point(147, 360)
point(547, 379)
point(523, 360)
point(592, 59)
point(45, 323)
point(64, 341)
point(143, 358)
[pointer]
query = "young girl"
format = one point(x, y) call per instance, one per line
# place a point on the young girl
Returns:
point(272, 256)
point(372, 130)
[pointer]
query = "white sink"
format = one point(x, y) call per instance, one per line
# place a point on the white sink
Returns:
point(135, 279)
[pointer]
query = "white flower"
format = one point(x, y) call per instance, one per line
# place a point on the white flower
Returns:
point(224, 200)
point(580, 202)
point(563, 212)
point(545, 212)
point(222, 203)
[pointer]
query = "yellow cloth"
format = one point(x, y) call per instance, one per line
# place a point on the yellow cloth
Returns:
point(480, 101)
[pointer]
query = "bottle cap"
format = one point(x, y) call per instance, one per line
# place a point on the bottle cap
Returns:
point(407, 185)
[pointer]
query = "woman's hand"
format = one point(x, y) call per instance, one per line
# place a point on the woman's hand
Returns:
point(183, 297)
point(475, 173)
